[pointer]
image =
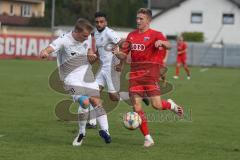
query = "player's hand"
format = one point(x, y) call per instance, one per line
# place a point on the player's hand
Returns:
point(164, 60)
point(92, 57)
point(159, 43)
point(44, 54)
point(115, 49)
point(119, 67)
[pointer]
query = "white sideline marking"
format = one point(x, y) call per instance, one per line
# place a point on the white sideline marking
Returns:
point(204, 70)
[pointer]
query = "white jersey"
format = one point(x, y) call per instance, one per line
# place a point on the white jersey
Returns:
point(71, 55)
point(102, 39)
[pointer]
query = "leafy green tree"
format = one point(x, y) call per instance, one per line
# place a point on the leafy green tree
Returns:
point(121, 13)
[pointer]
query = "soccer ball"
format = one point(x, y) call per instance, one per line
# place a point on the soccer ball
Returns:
point(131, 120)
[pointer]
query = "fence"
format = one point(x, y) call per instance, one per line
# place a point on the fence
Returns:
point(203, 54)
point(199, 54)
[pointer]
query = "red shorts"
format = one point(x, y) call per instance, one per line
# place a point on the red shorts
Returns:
point(145, 90)
point(144, 79)
point(181, 59)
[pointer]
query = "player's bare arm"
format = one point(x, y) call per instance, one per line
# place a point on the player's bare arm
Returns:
point(120, 55)
point(46, 51)
point(119, 67)
point(165, 44)
point(92, 57)
point(166, 57)
point(183, 51)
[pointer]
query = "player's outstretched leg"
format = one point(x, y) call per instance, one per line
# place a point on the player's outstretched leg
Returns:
point(82, 117)
point(187, 71)
point(169, 104)
point(101, 119)
point(103, 123)
point(92, 121)
point(176, 109)
point(148, 141)
point(177, 71)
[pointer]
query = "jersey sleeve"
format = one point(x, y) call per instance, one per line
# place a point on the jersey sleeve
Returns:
point(57, 44)
point(126, 45)
point(113, 36)
point(160, 36)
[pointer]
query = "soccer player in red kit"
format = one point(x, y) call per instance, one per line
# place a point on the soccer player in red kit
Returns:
point(181, 57)
point(163, 70)
point(145, 47)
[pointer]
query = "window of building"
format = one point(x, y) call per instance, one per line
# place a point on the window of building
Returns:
point(26, 10)
point(196, 17)
point(228, 18)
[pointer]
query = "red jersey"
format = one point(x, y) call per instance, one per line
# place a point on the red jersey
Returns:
point(145, 57)
point(182, 46)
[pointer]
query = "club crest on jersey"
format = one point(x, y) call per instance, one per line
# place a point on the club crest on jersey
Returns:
point(146, 39)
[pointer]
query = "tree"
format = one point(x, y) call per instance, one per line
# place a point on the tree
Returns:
point(120, 13)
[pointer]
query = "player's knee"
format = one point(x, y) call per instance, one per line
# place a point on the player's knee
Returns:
point(114, 96)
point(137, 107)
point(95, 101)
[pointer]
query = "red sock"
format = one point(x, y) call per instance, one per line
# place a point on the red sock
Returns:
point(177, 71)
point(144, 126)
point(165, 105)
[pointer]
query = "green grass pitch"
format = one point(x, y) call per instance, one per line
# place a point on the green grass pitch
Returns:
point(29, 129)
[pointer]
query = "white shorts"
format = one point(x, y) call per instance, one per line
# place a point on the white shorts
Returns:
point(82, 82)
point(109, 78)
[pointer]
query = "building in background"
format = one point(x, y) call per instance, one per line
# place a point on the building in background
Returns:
point(19, 12)
point(218, 20)
point(16, 39)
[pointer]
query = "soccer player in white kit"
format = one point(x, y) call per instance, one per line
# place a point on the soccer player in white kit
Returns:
point(74, 51)
point(109, 73)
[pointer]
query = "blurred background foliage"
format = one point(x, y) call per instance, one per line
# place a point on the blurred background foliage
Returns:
point(67, 11)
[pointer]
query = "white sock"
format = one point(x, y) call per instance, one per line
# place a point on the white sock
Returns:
point(148, 137)
point(103, 122)
point(173, 105)
point(82, 123)
point(82, 127)
point(92, 116)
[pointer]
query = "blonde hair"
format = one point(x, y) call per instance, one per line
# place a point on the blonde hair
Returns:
point(145, 11)
point(83, 24)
